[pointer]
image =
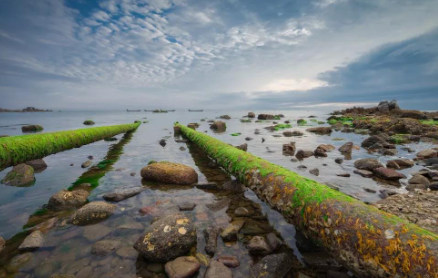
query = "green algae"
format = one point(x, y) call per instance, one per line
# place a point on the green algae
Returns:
point(282, 126)
point(245, 121)
point(429, 122)
point(236, 134)
point(302, 122)
point(342, 120)
point(399, 139)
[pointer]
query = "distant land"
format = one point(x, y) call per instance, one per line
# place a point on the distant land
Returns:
point(27, 109)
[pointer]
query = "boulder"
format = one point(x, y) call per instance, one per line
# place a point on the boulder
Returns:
point(400, 163)
point(364, 173)
point(319, 152)
point(419, 179)
point(292, 133)
point(414, 186)
point(258, 245)
point(169, 172)
point(182, 267)
point(218, 270)
point(219, 126)
point(271, 266)
point(383, 107)
point(225, 117)
point(388, 173)
point(425, 154)
point(86, 164)
point(121, 195)
point(89, 122)
point(304, 154)
point(251, 115)
point(211, 233)
point(186, 206)
point(104, 247)
point(65, 199)
point(393, 105)
point(167, 239)
point(347, 148)
point(266, 117)
point(372, 140)
point(320, 130)
point(289, 149)
point(31, 128)
point(92, 213)
point(162, 143)
point(32, 242)
point(367, 164)
point(37, 164)
point(243, 147)
point(229, 261)
point(314, 171)
point(20, 175)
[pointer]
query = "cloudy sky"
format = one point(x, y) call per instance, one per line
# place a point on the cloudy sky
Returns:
point(286, 54)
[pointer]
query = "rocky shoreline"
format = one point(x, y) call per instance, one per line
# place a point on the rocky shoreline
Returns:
point(27, 109)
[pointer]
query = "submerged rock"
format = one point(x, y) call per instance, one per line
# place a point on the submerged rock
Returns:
point(37, 164)
point(272, 266)
point(166, 239)
point(322, 130)
point(233, 186)
point(186, 206)
point(92, 213)
point(211, 233)
point(65, 199)
point(96, 232)
point(367, 164)
point(230, 232)
point(182, 267)
point(20, 175)
point(121, 195)
point(32, 242)
point(218, 270)
point(229, 261)
point(104, 247)
point(169, 172)
point(258, 245)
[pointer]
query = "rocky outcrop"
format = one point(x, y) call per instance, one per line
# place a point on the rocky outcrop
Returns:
point(65, 199)
point(170, 173)
point(20, 175)
point(92, 213)
point(277, 264)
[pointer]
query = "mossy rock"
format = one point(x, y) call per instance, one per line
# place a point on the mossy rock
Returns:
point(89, 122)
point(20, 175)
point(93, 212)
point(170, 173)
point(31, 128)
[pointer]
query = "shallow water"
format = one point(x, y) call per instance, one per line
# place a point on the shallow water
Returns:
point(68, 251)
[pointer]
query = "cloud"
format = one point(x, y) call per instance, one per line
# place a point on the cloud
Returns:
point(282, 85)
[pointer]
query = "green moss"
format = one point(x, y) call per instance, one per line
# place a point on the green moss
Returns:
point(321, 122)
point(19, 149)
point(88, 122)
point(314, 120)
point(236, 134)
point(342, 120)
point(429, 122)
point(338, 139)
point(399, 138)
point(282, 126)
point(245, 121)
point(277, 118)
point(302, 122)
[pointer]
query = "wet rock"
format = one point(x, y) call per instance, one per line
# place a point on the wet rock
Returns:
point(419, 179)
point(364, 173)
point(96, 232)
point(401, 163)
point(393, 105)
point(92, 213)
point(169, 172)
point(162, 142)
point(230, 232)
point(320, 152)
point(111, 139)
point(369, 190)
point(121, 195)
point(65, 199)
point(303, 154)
point(225, 117)
point(149, 210)
point(414, 186)
point(219, 126)
point(242, 212)
point(193, 125)
point(208, 186)
point(277, 264)
point(425, 154)
point(314, 171)
point(218, 205)
point(347, 148)
point(339, 160)
point(248, 138)
point(211, 233)
point(321, 130)
point(229, 261)
point(243, 147)
point(375, 139)
point(31, 128)
point(302, 167)
point(32, 242)
point(37, 164)
point(86, 164)
point(233, 186)
point(182, 267)
point(104, 247)
point(344, 175)
point(127, 252)
point(218, 270)
point(132, 174)
point(186, 206)
point(388, 173)
point(2, 243)
point(251, 115)
point(182, 148)
point(273, 241)
point(383, 107)
point(433, 186)
point(88, 122)
point(367, 164)
point(168, 238)
point(289, 149)
point(20, 175)
point(390, 152)
point(266, 117)
point(292, 133)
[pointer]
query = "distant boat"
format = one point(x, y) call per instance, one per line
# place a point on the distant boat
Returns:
point(127, 110)
point(190, 110)
point(159, 110)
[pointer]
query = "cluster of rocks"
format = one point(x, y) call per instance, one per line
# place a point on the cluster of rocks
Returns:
point(27, 109)
point(31, 128)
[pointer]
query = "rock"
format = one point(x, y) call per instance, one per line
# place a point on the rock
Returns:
point(127, 252)
point(233, 186)
point(63, 276)
point(383, 107)
point(303, 154)
point(162, 143)
point(271, 266)
point(32, 242)
point(414, 186)
point(258, 245)
point(314, 171)
point(425, 154)
point(186, 206)
point(218, 270)
point(230, 232)
point(89, 122)
point(229, 261)
point(203, 259)
point(31, 128)
point(37, 164)
point(182, 267)
point(121, 195)
point(65, 199)
point(2, 243)
point(266, 117)
point(218, 126)
point(167, 238)
point(433, 186)
point(289, 149)
point(96, 232)
point(322, 130)
point(20, 175)
point(251, 115)
point(390, 152)
point(419, 179)
point(367, 164)
point(321, 150)
point(248, 138)
point(388, 173)
point(211, 233)
point(372, 140)
point(345, 175)
point(86, 164)
point(208, 186)
point(393, 105)
point(292, 133)
point(302, 167)
point(243, 147)
point(413, 114)
point(218, 205)
point(369, 190)
point(111, 139)
point(242, 212)
point(104, 247)
point(364, 173)
point(169, 172)
point(401, 163)
point(225, 117)
point(339, 160)
point(92, 213)
point(347, 148)
point(193, 125)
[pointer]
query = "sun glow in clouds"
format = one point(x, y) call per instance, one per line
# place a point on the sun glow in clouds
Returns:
point(283, 85)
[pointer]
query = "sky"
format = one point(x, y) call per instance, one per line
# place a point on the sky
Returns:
point(218, 54)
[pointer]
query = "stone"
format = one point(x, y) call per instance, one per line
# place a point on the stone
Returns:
point(433, 186)
point(243, 147)
point(121, 195)
point(167, 238)
point(425, 154)
point(2, 243)
point(92, 213)
point(388, 173)
point(271, 266)
point(319, 152)
point(233, 186)
point(265, 117)
point(104, 247)
point(162, 143)
point(170, 173)
point(89, 122)
point(372, 140)
point(303, 154)
point(31, 128)
point(414, 186)
point(203, 259)
point(229, 261)
point(242, 212)
point(339, 160)
point(383, 107)
point(225, 117)
point(292, 133)
point(419, 179)
point(96, 232)
point(65, 199)
point(273, 241)
point(218, 270)
point(37, 164)
point(20, 175)
point(347, 148)
point(367, 164)
point(344, 175)
point(219, 126)
point(182, 267)
point(218, 205)
point(251, 115)
point(248, 138)
point(86, 164)
point(32, 242)
point(193, 125)
point(258, 245)
point(230, 232)
point(321, 130)
point(393, 105)
point(211, 233)
point(314, 171)
point(364, 173)
point(289, 149)
point(186, 206)
point(127, 252)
